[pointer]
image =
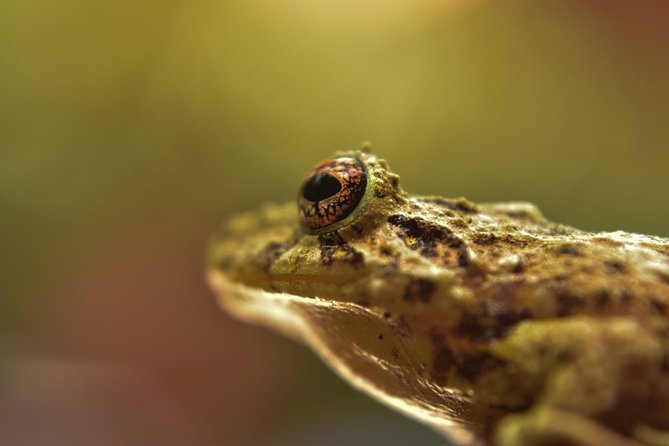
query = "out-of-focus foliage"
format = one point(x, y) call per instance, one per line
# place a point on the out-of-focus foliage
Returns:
point(128, 130)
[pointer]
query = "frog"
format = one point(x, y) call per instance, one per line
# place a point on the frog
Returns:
point(485, 321)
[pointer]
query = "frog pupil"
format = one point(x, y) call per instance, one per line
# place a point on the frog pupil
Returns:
point(321, 186)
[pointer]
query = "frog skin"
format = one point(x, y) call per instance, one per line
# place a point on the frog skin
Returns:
point(487, 322)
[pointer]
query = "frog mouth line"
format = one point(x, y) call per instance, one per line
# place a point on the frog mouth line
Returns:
point(286, 281)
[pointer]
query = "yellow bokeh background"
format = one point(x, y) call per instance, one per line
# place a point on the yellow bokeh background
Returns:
point(129, 130)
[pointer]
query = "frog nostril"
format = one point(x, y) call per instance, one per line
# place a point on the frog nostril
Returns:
point(321, 186)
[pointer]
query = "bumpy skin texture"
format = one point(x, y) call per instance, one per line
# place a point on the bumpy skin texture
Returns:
point(485, 321)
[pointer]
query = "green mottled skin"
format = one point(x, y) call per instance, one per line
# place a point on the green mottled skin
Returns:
point(486, 321)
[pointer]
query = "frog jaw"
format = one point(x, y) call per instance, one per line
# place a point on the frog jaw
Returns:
point(346, 337)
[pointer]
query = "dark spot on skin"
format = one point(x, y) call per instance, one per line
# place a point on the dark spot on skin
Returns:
point(271, 253)
point(454, 205)
point(335, 249)
point(394, 181)
point(379, 193)
point(441, 364)
point(486, 323)
point(567, 301)
point(615, 267)
point(470, 326)
point(358, 229)
point(380, 337)
point(570, 250)
point(386, 315)
point(472, 364)
point(419, 290)
point(429, 239)
point(496, 313)
point(664, 277)
point(463, 257)
point(658, 305)
point(489, 238)
point(468, 364)
point(603, 299)
point(664, 363)
point(386, 250)
point(509, 319)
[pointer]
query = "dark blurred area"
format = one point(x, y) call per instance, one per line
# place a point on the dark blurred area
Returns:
point(129, 130)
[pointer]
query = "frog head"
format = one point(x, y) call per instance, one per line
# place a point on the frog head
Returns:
point(352, 235)
point(330, 237)
point(351, 268)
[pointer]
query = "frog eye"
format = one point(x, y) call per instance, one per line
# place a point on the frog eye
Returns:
point(330, 193)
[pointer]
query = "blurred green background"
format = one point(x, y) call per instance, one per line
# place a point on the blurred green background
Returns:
point(129, 130)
